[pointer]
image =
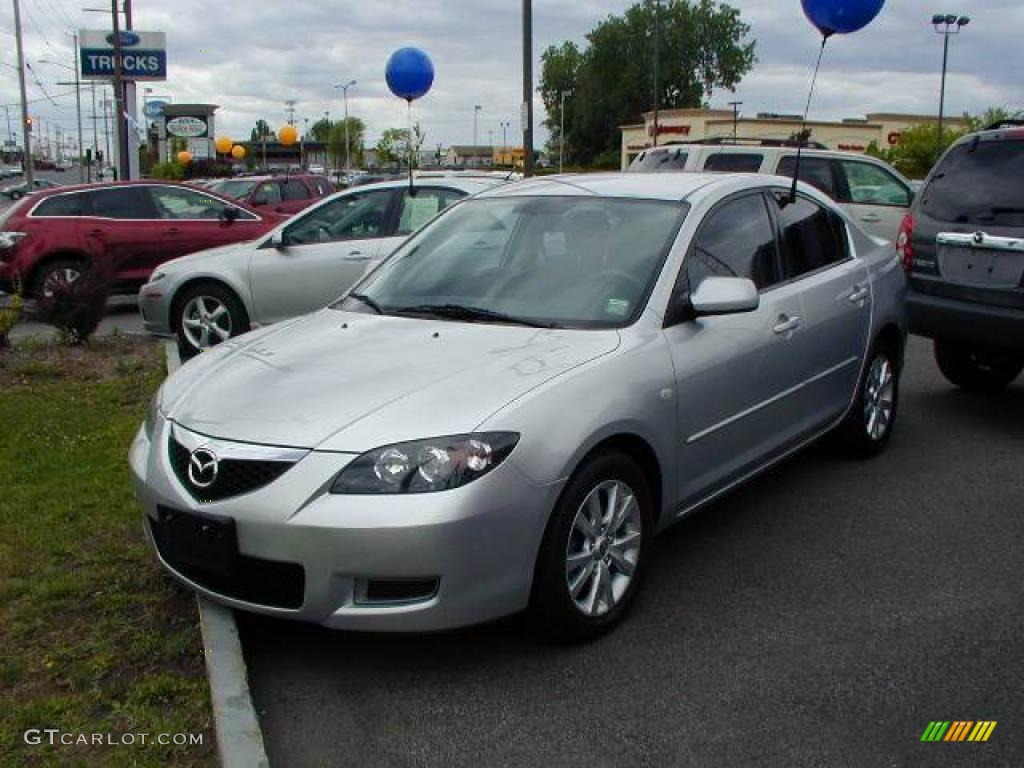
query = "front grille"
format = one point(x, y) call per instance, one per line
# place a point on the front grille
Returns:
point(261, 582)
point(234, 476)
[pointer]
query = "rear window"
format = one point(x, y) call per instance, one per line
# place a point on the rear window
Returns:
point(659, 161)
point(978, 182)
point(734, 162)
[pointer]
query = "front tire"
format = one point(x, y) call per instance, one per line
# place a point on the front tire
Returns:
point(55, 276)
point(867, 428)
point(206, 315)
point(977, 370)
point(594, 550)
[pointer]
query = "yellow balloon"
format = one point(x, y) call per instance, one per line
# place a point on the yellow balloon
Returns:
point(184, 157)
point(288, 135)
point(238, 152)
point(224, 144)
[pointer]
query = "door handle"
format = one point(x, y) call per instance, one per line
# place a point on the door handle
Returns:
point(860, 292)
point(172, 231)
point(871, 218)
point(356, 256)
point(97, 232)
point(787, 324)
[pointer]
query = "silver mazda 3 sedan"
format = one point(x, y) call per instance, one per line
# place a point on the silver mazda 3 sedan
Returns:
point(505, 413)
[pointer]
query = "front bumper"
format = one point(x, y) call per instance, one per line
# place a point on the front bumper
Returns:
point(965, 322)
point(155, 308)
point(480, 541)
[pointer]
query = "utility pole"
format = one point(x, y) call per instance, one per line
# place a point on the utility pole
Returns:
point(527, 108)
point(289, 108)
point(78, 106)
point(657, 65)
point(95, 131)
point(122, 133)
point(476, 114)
point(26, 127)
point(735, 117)
point(348, 145)
point(561, 130)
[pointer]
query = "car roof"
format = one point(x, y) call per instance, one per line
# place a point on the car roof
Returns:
point(641, 186)
point(468, 185)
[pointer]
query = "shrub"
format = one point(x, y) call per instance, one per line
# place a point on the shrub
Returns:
point(10, 313)
point(168, 171)
point(76, 308)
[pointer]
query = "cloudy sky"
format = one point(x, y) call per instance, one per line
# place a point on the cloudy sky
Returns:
point(251, 57)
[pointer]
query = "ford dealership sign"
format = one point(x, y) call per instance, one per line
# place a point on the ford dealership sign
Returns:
point(143, 55)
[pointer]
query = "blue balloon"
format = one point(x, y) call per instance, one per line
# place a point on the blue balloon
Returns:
point(410, 73)
point(841, 16)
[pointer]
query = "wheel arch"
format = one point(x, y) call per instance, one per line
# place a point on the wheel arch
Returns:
point(892, 337)
point(29, 280)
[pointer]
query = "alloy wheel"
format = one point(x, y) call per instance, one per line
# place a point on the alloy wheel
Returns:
point(879, 397)
point(603, 549)
point(58, 279)
point(206, 321)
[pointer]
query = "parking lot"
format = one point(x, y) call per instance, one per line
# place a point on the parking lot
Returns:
point(822, 615)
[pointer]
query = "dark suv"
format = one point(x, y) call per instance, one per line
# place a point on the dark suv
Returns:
point(962, 245)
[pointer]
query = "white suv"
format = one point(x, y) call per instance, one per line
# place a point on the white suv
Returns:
point(872, 192)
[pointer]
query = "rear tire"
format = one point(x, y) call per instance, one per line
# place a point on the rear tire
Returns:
point(978, 370)
point(205, 315)
point(594, 551)
point(867, 428)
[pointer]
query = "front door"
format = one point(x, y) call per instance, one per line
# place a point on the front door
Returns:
point(736, 374)
point(322, 252)
point(877, 198)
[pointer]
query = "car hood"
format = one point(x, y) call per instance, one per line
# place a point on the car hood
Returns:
point(349, 382)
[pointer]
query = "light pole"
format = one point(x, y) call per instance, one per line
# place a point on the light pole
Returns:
point(735, 116)
point(946, 24)
point(505, 125)
point(527, 107)
point(78, 104)
point(26, 126)
point(476, 113)
point(561, 130)
point(348, 149)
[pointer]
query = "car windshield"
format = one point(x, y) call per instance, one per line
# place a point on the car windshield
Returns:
point(978, 183)
point(236, 189)
point(570, 262)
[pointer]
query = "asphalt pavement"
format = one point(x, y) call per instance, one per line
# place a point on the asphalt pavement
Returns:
point(822, 615)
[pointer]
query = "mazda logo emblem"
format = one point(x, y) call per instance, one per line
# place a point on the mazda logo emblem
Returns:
point(979, 238)
point(203, 466)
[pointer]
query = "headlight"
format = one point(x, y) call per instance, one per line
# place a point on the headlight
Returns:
point(156, 277)
point(10, 239)
point(425, 466)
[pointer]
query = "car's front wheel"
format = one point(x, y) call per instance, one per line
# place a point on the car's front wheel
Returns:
point(978, 370)
point(206, 315)
point(594, 550)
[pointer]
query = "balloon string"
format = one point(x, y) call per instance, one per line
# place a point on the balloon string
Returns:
point(803, 136)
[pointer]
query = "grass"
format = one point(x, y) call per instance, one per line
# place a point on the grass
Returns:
point(94, 638)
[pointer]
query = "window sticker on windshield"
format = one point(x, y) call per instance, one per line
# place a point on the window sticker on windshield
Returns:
point(617, 307)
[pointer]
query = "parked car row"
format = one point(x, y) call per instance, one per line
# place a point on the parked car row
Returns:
point(18, 191)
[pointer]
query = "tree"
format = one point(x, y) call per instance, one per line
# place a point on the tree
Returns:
point(320, 130)
point(703, 46)
point(261, 131)
point(336, 142)
point(394, 148)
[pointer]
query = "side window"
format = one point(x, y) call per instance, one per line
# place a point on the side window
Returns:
point(176, 203)
point(816, 171)
point(131, 202)
point(812, 237)
point(736, 240)
point(61, 205)
point(267, 193)
point(351, 217)
point(872, 185)
point(294, 189)
point(734, 162)
point(420, 208)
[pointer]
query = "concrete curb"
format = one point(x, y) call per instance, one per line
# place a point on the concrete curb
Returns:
point(239, 739)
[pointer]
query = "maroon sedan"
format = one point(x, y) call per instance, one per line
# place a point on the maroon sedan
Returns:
point(125, 228)
point(281, 194)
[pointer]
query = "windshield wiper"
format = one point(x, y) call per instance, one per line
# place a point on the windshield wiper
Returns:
point(364, 299)
point(462, 312)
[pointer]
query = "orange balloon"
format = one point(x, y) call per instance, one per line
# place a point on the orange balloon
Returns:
point(224, 144)
point(288, 135)
point(184, 157)
point(238, 152)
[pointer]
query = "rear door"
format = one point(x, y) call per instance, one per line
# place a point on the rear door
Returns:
point(323, 251)
point(817, 259)
point(295, 196)
point(125, 233)
point(736, 374)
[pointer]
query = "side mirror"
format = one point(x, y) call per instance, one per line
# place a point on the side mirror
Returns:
point(229, 214)
point(277, 240)
point(725, 296)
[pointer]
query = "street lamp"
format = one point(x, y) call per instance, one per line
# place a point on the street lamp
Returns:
point(505, 125)
point(946, 24)
point(476, 113)
point(348, 150)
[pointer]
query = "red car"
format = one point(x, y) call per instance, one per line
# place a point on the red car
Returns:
point(127, 228)
point(281, 194)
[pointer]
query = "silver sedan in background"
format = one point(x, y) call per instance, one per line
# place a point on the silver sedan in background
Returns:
point(504, 414)
point(303, 265)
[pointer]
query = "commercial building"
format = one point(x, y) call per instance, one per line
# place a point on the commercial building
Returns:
point(849, 135)
point(462, 156)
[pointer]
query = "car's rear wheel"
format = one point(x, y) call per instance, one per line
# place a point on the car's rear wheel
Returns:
point(868, 426)
point(978, 370)
point(206, 315)
point(56, 275)
point(594, 550)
